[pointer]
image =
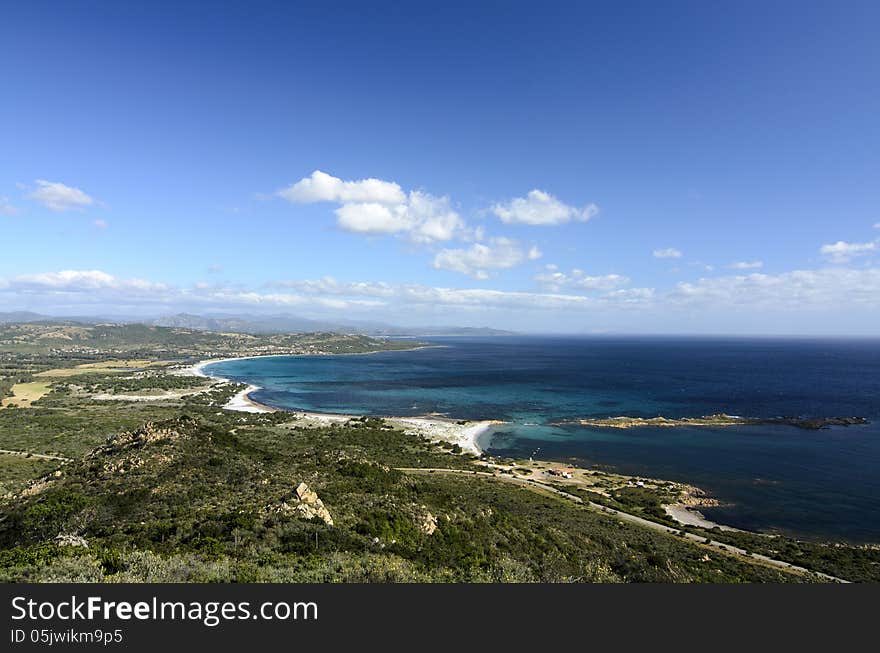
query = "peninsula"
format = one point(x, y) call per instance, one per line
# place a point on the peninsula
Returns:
point(719, 419)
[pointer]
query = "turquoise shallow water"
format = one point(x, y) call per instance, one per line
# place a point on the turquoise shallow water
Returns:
point(823, 484)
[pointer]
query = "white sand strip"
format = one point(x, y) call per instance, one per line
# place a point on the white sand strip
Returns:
point(241, 402)
point(464, 435)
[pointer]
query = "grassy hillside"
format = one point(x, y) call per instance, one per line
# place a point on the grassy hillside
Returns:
point(98, 487)
point(203, 496)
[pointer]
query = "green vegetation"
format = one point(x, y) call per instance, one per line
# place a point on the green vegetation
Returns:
point(858, 563)
point(155, 504)
point(178, 490)
point(848, 561)
point(16, 471)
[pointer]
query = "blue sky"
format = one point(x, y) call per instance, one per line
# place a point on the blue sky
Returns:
point(587, 167)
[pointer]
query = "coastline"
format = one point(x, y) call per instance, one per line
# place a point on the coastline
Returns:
point(242, 402)
point(689, 516)
point(439, 429)
point(466, 435)
point(197, 369)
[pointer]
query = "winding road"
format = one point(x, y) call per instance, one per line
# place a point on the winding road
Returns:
point(30, 454)
point(625, 516)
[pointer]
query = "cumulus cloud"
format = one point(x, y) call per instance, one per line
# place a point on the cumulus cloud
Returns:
point(669, 252)
point(321, 187)
point(747, 265)
point(370, 218)
point(60, 197)
point(477, 260)
point(378, 207)
point(843, 252)
point(578, 279)
point(541, 208)
point(77, 281)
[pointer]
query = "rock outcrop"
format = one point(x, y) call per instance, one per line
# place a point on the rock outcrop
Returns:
point(65, 539)
point(719, 419)
point(428, 524)
point(306, 504)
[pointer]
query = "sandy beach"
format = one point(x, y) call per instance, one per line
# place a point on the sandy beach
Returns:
point(465, 435)
point(198, 368)
point(242, 402)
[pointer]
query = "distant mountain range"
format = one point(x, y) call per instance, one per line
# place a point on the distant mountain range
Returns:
point(257, 324)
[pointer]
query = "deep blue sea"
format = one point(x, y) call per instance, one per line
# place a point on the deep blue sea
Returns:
point(816, 484)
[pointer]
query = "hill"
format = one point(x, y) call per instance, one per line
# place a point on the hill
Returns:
point(120, 469)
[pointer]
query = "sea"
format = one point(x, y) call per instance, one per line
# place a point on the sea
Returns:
point(814, 484)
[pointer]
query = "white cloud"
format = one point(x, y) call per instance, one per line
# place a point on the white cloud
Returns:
point(370, 218)
point(540, 208)
point(321, 187)
point(100, 224)
point(6, 208)
point(877, 225)
point(747, 265)
point(77, 281)
point(330, 286)
point(669, 252)
point(827, 291)
point(377, 207)
point(479, 258)
point(83, 288)
point(843, 252)
point(59, 197)
point(432, 219)
point(823, 289)
point(480, 298)
point(224, 297)
point(578, 279)
point(626, 296)
point(415, 295)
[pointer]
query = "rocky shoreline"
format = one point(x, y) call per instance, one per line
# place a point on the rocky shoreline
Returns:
point(719, 419)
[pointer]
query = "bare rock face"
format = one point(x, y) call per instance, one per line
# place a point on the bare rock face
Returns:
point(307, 495)
point(147, 434)
point(307, 505)
point(64, 539)
point(428, 524)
